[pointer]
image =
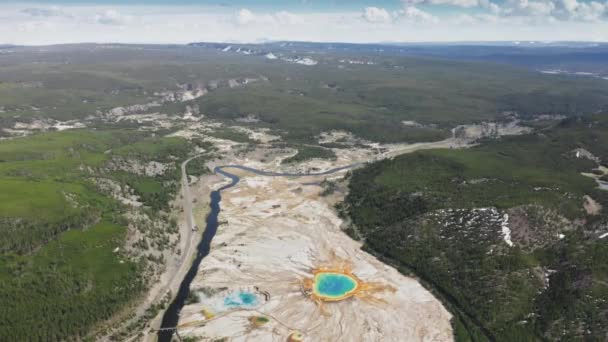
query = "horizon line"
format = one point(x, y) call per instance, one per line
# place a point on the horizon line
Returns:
point(438, 42)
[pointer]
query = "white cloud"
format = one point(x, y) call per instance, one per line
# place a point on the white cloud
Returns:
point(570, 5)
point(515, 20)
point(475, 20)
point(493, 8)
point(536, 10)
point(457, 3)
point(409, 3)
point(556, 10)
point(411, 13)
point(528, 8)
point(34, 26)
point(112, 17)
point(245, 17)
point(376, 15)
point(585, 11)
point(287, 18)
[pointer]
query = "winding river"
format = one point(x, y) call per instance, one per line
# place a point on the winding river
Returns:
point(171, 316)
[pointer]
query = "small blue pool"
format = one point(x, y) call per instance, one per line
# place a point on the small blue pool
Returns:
point(241, 299)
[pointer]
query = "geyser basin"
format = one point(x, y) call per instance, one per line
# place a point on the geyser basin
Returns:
point(332, 286)
point(335, 281)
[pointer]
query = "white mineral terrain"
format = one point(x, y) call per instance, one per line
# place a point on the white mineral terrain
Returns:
point(274, 231)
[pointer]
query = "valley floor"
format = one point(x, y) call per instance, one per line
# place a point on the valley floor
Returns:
point(274, 232)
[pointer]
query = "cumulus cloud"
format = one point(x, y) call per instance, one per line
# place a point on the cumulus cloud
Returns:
point(415, 21)
point(535, 10)
point(527, 8)
point(244, 17)
point(376, 15)
point(459, 3)
point(570, 5)
point(412, 13)
point(492, 7)
point(585, 11)
point(487, 5)
point(563, 10)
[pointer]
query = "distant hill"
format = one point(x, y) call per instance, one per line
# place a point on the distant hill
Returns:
point(571, 56)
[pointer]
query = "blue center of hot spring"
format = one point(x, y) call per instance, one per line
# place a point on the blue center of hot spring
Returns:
point(333, 285)
point(241, 299)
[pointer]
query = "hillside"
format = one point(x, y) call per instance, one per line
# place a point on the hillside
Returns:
point(67, 256)
point(508, 233)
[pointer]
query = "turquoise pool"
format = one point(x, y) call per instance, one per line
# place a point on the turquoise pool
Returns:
point(241, 299)
point(334, 286)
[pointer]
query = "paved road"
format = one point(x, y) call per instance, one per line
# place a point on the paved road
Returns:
point(186, 254)
point(187, 198)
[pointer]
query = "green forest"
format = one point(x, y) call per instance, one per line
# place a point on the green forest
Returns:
point(422, 212)
point(63, 269)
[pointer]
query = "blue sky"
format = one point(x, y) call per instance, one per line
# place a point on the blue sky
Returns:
point(182, 21)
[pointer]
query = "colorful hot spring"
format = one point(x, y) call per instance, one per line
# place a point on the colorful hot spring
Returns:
point(332, 286)
point(241, 299)
point(258, 321)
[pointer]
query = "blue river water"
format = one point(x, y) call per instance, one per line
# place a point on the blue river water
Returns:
point(171, 315)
